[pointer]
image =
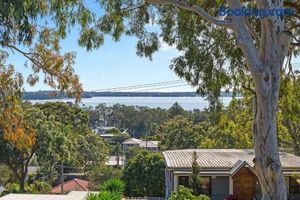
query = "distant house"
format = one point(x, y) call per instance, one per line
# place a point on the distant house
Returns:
point(107, 137)
point(133, 142)
point(150, 145)
point(115, 161)
point(224, 172)
point(72, 185)
point(75, 195)
point(104, 129)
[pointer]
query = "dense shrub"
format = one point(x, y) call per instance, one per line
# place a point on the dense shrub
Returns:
point(112, 189)
point(186, 194)
point(114, 186)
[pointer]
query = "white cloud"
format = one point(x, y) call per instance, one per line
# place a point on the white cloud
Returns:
point(165, 47)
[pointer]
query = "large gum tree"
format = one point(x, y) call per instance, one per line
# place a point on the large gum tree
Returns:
point(215, 52)
point(218, 52)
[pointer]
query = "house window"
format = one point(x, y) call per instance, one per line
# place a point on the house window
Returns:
point(183, 180)
point(206, 185)
point(294, 186)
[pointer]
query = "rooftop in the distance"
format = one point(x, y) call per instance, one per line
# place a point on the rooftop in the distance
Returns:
point(149, 144)
point(132, 141)
point(221, 158)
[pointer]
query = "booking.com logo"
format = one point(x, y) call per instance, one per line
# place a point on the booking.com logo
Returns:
point(255, 12)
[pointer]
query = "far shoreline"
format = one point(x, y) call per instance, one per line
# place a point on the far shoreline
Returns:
point(48, 95)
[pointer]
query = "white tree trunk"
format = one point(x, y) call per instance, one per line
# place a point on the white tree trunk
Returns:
point(265, 61)
point(267, 163)
point(264, 54)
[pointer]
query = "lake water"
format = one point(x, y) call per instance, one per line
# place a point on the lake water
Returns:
point(188, 103)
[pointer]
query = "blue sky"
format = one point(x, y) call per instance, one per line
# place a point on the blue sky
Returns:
point(115, 64)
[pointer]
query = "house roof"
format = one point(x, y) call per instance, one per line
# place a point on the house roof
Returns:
point(113, 161)
point(229, 159)
point(106, 128)
point(75, 195)
point(149, 144)
point(107, 135)
point(75, 184)
point(132, 141)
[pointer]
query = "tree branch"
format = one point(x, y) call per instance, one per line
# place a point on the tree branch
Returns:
point(252, 31)
point(194, 8)
point(292, 5)
point(29, 55)
point(294, 44)
point(245, 41)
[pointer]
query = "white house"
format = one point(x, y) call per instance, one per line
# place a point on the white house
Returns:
point(224, 172)
point(133, 142)
point(115, 161)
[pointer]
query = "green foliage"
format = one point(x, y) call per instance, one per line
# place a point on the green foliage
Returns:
point(114, 131)
point(6, 175)
point(296, 177)
point(119, 138)
point(137, 120)
point(74, 141)
point(99, 175)
point(110, 190)
point(27, 24)
point(114, 186)
point(117, 150)
point(132, 152)
point(195, 180)
point(231, 129)
point(13, 188)
point(289, 113)
point(141, 172)
point(39, 187)
point(176, 110)
point(186, 194)
point(104, 195)
point(178, 133)
point(61, 135)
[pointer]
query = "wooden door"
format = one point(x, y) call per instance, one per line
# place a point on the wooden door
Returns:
point(244, 184)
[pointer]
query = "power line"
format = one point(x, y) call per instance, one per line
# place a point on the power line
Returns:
point(159, 88)
point(141, 86)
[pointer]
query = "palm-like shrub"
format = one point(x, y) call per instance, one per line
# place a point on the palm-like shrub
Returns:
point(113, 185)
point(104, 195)
point(112, 189)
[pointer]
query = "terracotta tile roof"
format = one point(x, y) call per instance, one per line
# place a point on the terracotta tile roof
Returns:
point(221, 158)
point(72, 185)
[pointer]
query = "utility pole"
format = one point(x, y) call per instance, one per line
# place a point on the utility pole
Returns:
point(62, 177)
point(147, 141)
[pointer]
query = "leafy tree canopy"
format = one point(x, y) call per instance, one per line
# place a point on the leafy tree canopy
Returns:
point(141, 172)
